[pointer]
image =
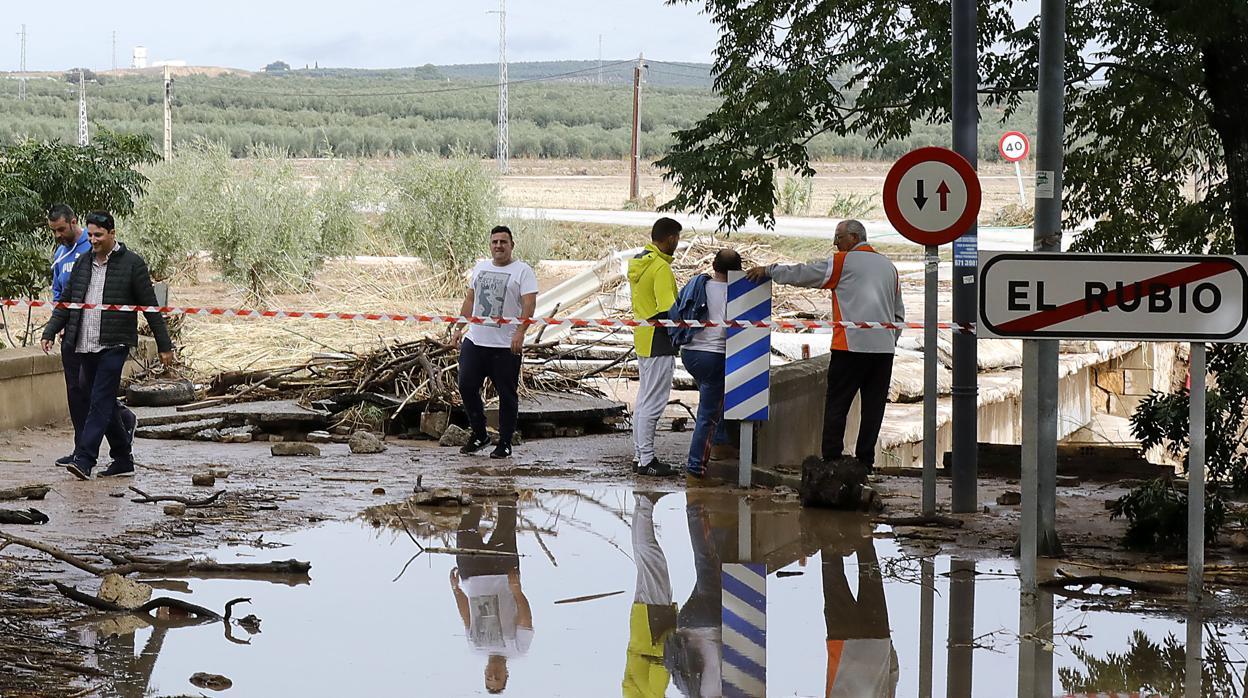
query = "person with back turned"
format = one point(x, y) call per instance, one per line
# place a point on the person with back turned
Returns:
point(865, 288)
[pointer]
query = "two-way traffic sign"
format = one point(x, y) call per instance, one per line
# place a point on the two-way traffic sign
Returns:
point(1113, 296)
point(931, 196)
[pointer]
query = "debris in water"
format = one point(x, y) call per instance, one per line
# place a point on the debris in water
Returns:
point(212, 682)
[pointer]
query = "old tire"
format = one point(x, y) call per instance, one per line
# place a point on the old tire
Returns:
point(161, 393)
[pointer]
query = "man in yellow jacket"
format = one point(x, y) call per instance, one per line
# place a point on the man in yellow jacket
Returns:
point(653, 289)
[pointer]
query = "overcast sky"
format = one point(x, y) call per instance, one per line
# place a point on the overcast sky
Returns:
point(358, 34)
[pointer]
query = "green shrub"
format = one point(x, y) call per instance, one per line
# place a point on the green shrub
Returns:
point(794, 196)
point(850, 205)
point(441, 210)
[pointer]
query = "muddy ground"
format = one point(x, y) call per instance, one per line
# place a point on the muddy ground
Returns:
point(266, 495)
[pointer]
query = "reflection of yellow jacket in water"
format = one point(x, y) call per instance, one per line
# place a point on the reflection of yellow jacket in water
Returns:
point(644, 673)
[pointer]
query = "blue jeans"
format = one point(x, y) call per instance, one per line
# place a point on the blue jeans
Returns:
point(101, 377)
point(707, 368)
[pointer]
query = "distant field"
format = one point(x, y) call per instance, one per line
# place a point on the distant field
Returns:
point(557, 110)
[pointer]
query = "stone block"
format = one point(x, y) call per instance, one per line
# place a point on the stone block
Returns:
point(365, 442)
point(294, 448)
point(124, 592)
point(433, 424)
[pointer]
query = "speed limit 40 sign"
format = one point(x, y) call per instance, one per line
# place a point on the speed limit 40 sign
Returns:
point(1014, 146)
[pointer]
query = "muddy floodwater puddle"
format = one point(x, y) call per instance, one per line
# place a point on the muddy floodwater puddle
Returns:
point(614, 593)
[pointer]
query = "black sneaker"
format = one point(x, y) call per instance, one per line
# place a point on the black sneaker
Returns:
point(129, 421)
point(65, 460)
point(116, 469)
point(476, 443)
point(79, 471)
point(501, 451)
point(657, 468)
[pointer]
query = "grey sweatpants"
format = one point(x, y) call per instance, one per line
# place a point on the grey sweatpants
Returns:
point(655, 388)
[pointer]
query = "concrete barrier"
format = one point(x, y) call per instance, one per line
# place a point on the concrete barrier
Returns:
point(32, 388)
point(32, 384)
point(798, 388)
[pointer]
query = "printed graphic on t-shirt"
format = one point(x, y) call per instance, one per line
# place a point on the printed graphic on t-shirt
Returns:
point(490, 293)
point(488, 630)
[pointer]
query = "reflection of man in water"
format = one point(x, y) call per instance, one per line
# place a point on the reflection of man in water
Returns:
point(491, 602)
point(693, 652)
point(861, 660)
point(653, 615)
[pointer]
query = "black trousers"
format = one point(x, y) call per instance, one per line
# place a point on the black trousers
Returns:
point(502, 539)
point(503, 369)
point(851, 373)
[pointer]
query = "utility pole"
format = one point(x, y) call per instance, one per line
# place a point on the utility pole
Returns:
point(83, 136)
point(168, 115)
point(1038, 529)
point(504, 138)
point(634, 161)
point(600, 59)
point(114, 49)
point(965, 265)
point(21, 82)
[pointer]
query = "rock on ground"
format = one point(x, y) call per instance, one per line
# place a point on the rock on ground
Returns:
point(294, 448)
point(365, 442)
point(124, 592)
point(454, 436)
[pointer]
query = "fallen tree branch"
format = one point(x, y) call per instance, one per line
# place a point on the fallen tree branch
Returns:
point(99, 604)
point(928, 520)
point(25, 492)
point(1066, 581)
point(129, 564)
point(56, 553)
point(26, 517)
point(188, 501)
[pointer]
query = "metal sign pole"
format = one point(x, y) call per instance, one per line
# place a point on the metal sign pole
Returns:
point(1022, 193)
point(1196, 477)
point(747, 455)
point(930, 282)
point(1030, 526)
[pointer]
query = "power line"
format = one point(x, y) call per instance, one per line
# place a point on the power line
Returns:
point(463, 88)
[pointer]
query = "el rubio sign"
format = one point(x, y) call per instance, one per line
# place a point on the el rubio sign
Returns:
point(1113, 296)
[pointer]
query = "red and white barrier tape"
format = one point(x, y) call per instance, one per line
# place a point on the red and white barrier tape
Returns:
point(967, 328)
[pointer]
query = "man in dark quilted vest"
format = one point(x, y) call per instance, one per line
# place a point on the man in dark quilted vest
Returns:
point(102, 339)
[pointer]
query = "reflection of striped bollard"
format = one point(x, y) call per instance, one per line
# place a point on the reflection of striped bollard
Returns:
point(745, 630)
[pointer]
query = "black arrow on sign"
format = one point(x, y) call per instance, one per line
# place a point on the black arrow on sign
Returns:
point(920, 200)
point(943, 190)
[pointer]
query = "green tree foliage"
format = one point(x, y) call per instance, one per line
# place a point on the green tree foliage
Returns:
point(1155, 96)
point(277, 67)
point(382, 113)
point(1154, 668)
point(36, 174)
point(442, 211)
point(1156, 512)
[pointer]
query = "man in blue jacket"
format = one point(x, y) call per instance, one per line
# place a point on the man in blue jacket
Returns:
point(72, 242)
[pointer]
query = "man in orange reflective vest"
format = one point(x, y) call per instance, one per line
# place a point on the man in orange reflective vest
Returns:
point(865, 288)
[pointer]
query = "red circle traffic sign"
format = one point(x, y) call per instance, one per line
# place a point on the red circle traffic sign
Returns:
point(932, 196)
point(1014, 146)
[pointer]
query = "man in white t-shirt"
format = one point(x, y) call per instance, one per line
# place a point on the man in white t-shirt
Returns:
point(499, 287)
point(497, 618)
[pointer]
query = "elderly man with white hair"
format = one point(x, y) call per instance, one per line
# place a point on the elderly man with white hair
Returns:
point(865, 288)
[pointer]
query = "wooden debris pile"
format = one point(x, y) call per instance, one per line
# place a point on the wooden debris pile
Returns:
point(421, 373)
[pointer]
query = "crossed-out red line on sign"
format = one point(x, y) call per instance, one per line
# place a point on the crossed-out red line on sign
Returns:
point(1079, 308)
point(965, 328)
